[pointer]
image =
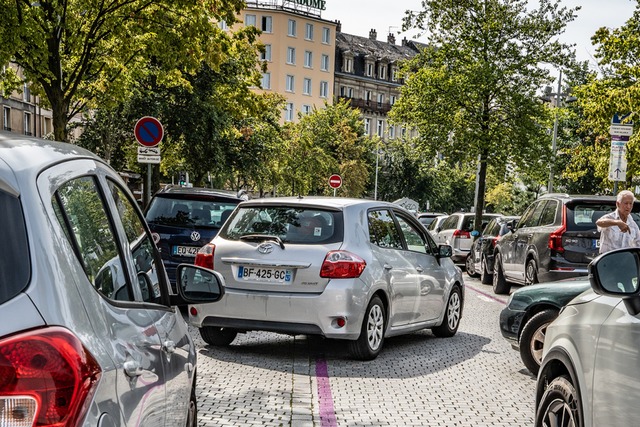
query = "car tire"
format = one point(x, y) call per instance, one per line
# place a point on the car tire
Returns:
point(192, 415)
point(486, 277)
point(217, 336)
point(369, 343)
point(469, 266)
point(531, 273)
point(560, 405)
point(452, 315)
point(500, 284)
point(532, 339)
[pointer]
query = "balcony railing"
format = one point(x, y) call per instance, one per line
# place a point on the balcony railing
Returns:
point(368, 105)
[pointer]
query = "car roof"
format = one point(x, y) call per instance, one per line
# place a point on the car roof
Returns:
point(178, 191)
point(578, 197)
point(430, 214)
point(338, 203)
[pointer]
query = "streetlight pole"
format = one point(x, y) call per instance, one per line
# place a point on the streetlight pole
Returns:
point(375, 190)
point(555, 135)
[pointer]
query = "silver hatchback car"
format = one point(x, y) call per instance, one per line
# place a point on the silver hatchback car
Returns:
point(88, 332)
point(357, 270)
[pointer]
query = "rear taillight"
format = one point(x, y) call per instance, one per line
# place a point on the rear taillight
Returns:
point(494, 241)
point(461, 234)
point(47, 378)
point(555, 238)
point(342, 265)
point(204, 257)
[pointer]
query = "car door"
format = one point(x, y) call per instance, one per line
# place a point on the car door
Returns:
point(517, 243)
point(430, 274)
point(399, 271)
point(177, 350)
point(123, 327)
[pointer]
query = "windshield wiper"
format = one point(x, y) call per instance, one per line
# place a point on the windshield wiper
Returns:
point(262, 238)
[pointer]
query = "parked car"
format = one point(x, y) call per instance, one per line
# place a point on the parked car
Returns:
point(351, 269)
point(524, 320)
point(555, 239)
point(456, 231)
point(427, 218)
point(589, 375)
point(479, 261)
point(89, 334)
point(434, 227)
point(183, 219)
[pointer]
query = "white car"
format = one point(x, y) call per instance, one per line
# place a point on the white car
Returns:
point(351, 269)
point(589, 374)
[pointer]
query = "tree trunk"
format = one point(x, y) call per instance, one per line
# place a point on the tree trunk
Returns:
point(480, 190)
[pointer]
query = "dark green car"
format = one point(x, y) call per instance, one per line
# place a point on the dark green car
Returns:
point(529, 310)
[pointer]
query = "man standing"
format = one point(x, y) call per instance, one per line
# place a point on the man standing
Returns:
point(617, 229)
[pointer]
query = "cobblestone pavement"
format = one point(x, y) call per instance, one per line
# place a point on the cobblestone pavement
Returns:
point(473, 379)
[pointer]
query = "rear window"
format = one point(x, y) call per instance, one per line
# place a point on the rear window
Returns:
point(469, 220)
point(14, 258)
point(181, 212)
point(583, 217)
point(291, 225)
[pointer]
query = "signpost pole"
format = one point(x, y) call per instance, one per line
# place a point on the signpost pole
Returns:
point(148, 198)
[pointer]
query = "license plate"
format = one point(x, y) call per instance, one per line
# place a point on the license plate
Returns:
point(187, 251)
point(596, 243)
point(264, 274)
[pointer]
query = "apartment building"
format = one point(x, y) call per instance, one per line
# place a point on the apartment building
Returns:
point(299, 52)
point(366, 73)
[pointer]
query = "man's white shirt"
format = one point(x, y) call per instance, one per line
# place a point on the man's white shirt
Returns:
point(613, 238)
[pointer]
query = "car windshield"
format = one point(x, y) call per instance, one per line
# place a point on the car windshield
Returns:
point(291, 225)
point(582, 217)
point(183, 212)
point(14, 257)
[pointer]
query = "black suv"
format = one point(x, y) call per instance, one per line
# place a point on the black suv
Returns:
point(183, 219)
point(555, 238)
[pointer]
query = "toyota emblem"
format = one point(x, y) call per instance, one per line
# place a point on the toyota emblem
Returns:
point(265, 248)
point(195, 236)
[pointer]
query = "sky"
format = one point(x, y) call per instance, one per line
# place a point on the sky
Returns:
point(359, 16)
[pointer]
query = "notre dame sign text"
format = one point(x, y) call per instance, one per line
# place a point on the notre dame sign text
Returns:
point(316, 4)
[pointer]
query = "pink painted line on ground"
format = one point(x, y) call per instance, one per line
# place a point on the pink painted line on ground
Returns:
point(327, 412)
point(493, 297)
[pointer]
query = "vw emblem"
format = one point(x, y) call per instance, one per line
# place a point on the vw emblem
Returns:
point(265, 248)
point(195, 236)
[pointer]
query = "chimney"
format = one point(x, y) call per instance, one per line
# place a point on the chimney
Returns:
point(391, 39)
point(404, 41)
point(338, 27)
point(373, 34)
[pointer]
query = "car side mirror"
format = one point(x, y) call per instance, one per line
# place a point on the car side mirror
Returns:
point(198, 285)
point(616, 274)
point(445, 251)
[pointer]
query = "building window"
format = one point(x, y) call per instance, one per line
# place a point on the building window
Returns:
point(308, 59)
point(306, 86)
point(6, 118)
point(380, 128)
point(348, 63)
point(306, 109)
point(308, 32)
point(324, 89)
point(250, 20)
point(367, 96)
point(382, 72)
point(324, 62)
point(290, 83)
point(27, 124)
point(288, 112)
point(291, 55)
point(392, 99)
point(266, 55)
point(223, 25)
point(369, 69)
point(394, 74)
point(267, 24)
point(349, 92)
point(367, 126)
point(403, 132)
point(266, 80)
point(47, 126)
point(392, 132)
point(380, 99)
point(291, 28)
point(26, 93)
point(326, 35)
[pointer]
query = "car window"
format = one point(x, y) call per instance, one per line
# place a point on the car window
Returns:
point(291, 224)
point(140, 244)
point(382, 230)
point(549, 213)
point(492, 229)
point(414, 239)
point(533, 215)
point(583, 217)
point(450, 223)
point(15, 265)
point(183, 212)
point(81, 212)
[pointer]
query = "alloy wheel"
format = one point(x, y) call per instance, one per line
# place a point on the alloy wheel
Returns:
point(453, 310)
point(375, 327)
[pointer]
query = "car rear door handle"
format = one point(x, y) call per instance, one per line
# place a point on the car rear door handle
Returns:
point(419, 269)
point(169, 347)
point(387, 267)
point(132, 368)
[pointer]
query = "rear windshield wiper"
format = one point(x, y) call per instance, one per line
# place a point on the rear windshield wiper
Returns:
point(262, 238)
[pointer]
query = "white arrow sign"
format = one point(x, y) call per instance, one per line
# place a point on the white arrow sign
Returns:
point(618, 161)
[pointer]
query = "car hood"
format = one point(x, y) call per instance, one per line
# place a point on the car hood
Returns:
point(557, 293)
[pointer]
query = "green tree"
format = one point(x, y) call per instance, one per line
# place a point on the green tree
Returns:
point(472, 94)
point(82, 54)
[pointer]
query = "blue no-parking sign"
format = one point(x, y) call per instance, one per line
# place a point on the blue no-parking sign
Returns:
point(149, 131)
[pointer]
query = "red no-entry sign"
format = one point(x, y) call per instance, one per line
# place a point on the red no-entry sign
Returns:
point(335, 181)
